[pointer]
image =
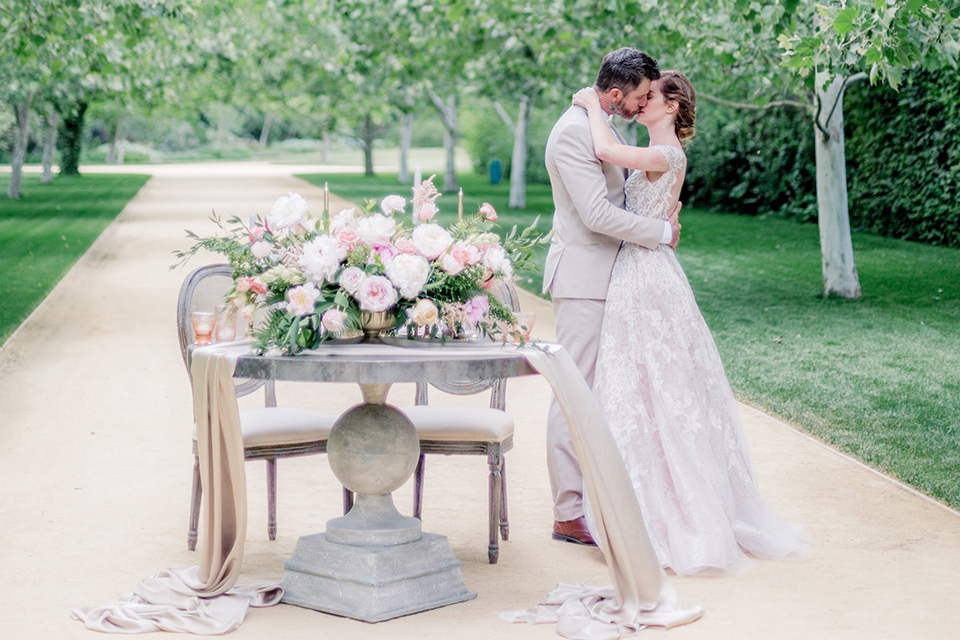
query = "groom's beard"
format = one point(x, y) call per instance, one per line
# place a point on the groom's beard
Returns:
point(620, 109)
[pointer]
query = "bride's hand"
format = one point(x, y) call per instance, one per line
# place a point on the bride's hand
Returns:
point(586, 98)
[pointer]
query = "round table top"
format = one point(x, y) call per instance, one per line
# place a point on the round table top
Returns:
point(375, 363)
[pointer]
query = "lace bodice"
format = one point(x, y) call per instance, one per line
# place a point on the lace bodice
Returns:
point(653, 198)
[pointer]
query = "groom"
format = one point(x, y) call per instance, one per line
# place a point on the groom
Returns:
point(589, 224)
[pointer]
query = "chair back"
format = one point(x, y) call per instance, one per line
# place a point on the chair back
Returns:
point(205, 288)
point(506, 293)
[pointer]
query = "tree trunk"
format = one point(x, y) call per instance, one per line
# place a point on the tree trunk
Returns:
point(518, 162)
point(21, 137)
point(406, 135)
point(113, 157)
point(265, 132)
point(448, 114)
point(836, 247)
point(72, 135)
point(325, 147)
point(368, 136)
point(52, 119)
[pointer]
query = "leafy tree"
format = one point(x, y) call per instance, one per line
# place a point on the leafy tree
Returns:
point(803, 54)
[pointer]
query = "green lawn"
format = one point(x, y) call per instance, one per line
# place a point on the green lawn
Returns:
point(877, 377)
point(44, 233)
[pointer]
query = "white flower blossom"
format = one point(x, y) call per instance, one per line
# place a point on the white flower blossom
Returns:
point(431, 239)
point(321, 259)
point(409, 274)
point(495, 258)
point(376, 229)
point(346, 219)
point(351, 278)
point(288, 211)
point(392, 204)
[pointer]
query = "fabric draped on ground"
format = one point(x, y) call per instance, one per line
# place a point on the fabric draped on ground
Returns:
point(204, 598)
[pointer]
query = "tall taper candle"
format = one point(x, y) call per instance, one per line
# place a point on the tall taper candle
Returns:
point(460, 207)
point(326, 205)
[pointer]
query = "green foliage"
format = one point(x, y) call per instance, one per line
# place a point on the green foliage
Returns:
point(903, 158)
point(487, 138)
point(754, 163)
point(47, 230)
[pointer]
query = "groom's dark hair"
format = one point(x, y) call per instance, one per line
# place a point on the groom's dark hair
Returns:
point(625, 69)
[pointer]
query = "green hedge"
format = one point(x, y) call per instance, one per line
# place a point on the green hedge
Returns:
point(903, 160)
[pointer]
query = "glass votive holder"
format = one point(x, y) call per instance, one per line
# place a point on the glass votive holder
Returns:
point(226, 323)
point(524, 324)
point(204, 323)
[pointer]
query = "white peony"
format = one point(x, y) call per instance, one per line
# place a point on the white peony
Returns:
point(392, 204)
point(346, 219)
point(321, 259)
point(409, 274)
point(288, 211)
point(431, 240)
point(495, 258)
point(376, 229)
point(351, 278)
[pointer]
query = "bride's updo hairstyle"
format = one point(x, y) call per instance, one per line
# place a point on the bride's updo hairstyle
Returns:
point(675, 86)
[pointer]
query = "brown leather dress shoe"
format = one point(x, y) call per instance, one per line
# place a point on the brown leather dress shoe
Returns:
point(574, 531)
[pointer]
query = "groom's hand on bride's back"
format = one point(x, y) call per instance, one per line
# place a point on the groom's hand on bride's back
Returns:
point(674, 220)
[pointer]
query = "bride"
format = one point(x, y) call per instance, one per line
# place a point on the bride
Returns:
point(659, 378)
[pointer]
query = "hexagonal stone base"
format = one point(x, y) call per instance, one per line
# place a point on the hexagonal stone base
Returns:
point(373, 583)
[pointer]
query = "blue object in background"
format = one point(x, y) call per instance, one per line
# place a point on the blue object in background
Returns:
point(496, 172)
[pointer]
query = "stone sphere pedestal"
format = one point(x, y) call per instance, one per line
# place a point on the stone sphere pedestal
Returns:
point(374, 563)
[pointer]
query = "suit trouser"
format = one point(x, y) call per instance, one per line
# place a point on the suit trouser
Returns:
point(578, 331)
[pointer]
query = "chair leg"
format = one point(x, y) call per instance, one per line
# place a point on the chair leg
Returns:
point(418, 487)
point(195, 495)
point(272, 498)
point(347, 500)
point(496, 485)
point(504, 522)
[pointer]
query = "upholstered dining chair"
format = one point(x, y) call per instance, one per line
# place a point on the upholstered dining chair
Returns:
point(269, 433)
point(469, 431)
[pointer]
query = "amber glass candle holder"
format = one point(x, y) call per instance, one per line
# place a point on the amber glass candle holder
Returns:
point(204, 323)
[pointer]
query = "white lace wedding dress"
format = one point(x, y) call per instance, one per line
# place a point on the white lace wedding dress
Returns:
point(666, 398)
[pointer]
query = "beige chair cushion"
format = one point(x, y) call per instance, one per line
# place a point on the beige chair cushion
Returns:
point(282, 425)
point(457, 424)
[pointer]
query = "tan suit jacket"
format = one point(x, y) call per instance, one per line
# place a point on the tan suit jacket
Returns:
point(589, 221)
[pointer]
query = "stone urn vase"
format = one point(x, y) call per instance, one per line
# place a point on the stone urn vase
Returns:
point(374, 324)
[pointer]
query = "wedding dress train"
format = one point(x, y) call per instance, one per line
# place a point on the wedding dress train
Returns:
point(665, 395)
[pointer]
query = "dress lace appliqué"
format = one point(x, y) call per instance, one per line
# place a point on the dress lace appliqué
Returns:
point(665, 395)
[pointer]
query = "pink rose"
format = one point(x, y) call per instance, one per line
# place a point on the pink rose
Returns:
point(348, 238)
point(254, 284)
point(256, 233)
point(351, 278)
point(465, 253)
point(332, 320)
point(405, 245)
point(427, 211)
point(451, 265)
point(488, 212)
point(376, 294)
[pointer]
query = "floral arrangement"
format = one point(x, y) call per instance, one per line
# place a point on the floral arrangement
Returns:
point(327, 277)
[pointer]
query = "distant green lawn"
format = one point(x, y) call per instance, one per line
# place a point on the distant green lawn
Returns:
point(44, 233)
point(877, 377)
